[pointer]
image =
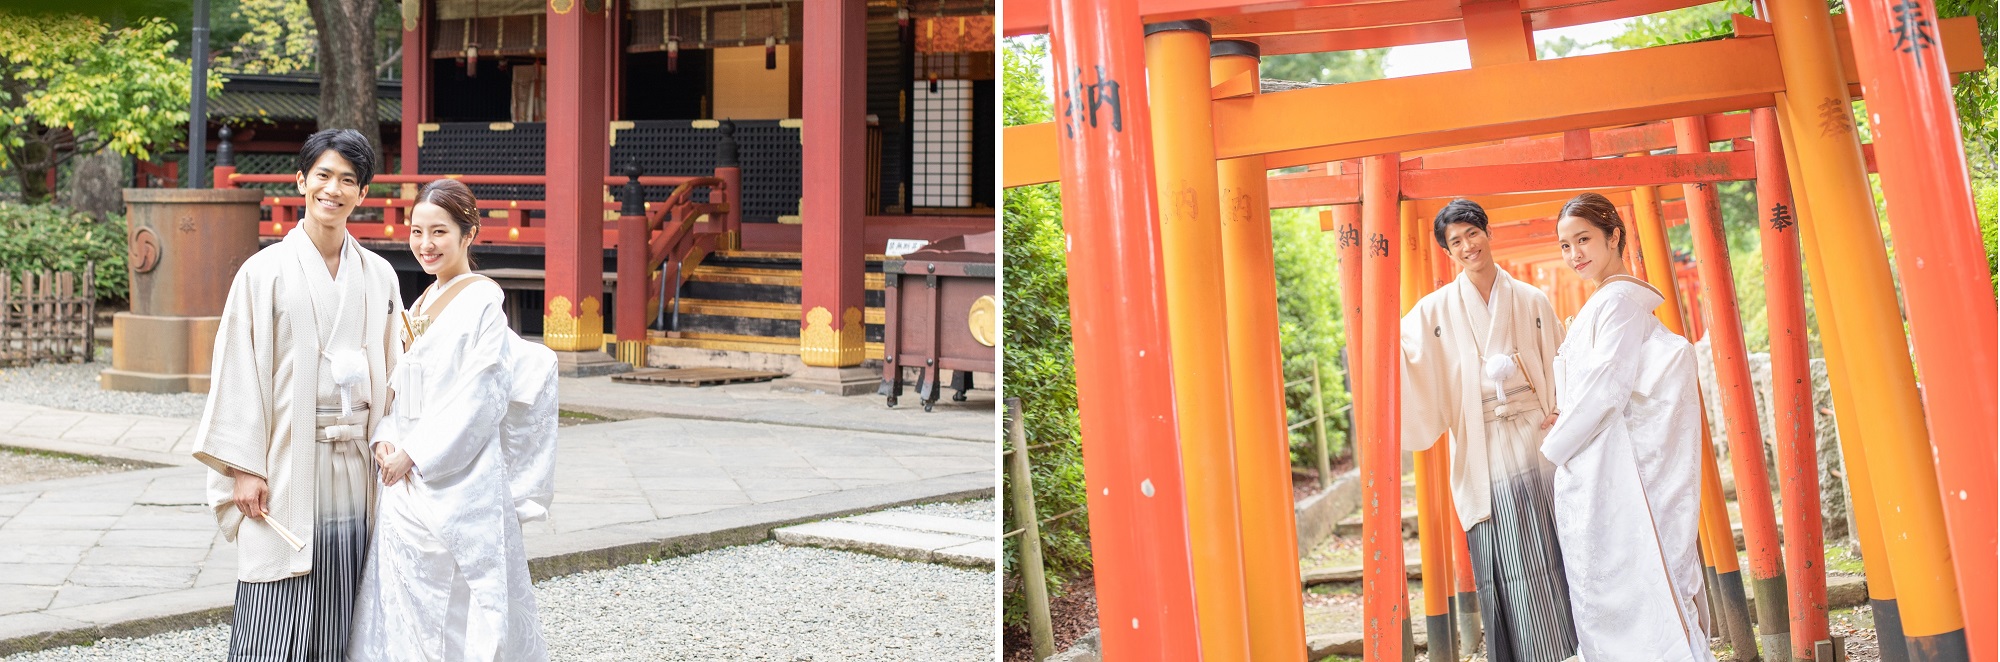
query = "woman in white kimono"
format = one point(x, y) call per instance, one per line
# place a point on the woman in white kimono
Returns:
point(466, 454)
point(1626, 446)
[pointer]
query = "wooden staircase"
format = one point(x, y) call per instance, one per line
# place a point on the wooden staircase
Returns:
point(738, 301)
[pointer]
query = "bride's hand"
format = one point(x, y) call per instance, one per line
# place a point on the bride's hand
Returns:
point(396, 467)
point(1550, 421)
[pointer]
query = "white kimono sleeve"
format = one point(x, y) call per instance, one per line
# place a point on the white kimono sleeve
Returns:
point(1429, 392)
point(464, 411)
point(236, 426)
point(1606, 383)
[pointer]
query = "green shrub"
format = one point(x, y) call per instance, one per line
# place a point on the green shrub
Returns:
point(1037, 357)
point(51, 237)
point(1310, 329)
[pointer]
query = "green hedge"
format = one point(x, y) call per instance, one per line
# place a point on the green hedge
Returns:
point(1037, 356)
point(51, 237)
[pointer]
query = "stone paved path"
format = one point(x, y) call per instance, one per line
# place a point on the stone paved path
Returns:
point(137, 552)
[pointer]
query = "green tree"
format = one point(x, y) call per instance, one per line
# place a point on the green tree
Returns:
point(1310, 328)
point(1037, 357)
point(278, 39)
point(69, 85)
point(1325, 68)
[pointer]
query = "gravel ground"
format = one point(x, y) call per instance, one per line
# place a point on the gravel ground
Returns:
point(974, 509)
point(19, 466)
point(756, 602)
point(73, 386)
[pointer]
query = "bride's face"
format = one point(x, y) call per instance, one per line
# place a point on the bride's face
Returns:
point(436, 240)
point(1586, 249)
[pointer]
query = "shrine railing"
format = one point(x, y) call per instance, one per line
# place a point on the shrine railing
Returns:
point(514, 226)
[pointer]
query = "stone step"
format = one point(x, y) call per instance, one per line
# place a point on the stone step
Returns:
point(1351, 527)
point(1412, 569)
point(907, 536)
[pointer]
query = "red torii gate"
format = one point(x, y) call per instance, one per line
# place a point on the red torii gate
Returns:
point(1105, 147)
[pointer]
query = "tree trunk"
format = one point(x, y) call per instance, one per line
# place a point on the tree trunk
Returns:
point(31, 169)
point(94, 183)
point(347, 68)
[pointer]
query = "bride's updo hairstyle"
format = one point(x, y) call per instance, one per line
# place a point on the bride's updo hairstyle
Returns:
point(1601, 214)
point(455, 199)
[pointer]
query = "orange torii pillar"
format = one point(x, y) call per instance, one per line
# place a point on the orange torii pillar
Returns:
point(1432, 473)
point(1739, 404)
point(1861, 496)
point(1791, 391)
point(1938, 256)
point(1379, 450)
point(1257, 393)
point(1191, 235)
point(1125, 398)
point(1725, 580)
point(1905, 479)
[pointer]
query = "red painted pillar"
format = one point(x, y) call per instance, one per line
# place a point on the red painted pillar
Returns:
point(1379, 450)
point(572, 314)
point(1791, 390)
point(1125, 400)
point(1346, 222)
point(416, 84)
point(1739, 405)
point(835, 134)
point(1943, 271)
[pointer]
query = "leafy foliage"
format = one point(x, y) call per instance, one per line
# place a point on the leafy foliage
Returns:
point(1697, 23)
point(1334, 67)
point(1037, 357)
point(279, 40)
point(69, 85)
point(1310, 329)
point(48, 237)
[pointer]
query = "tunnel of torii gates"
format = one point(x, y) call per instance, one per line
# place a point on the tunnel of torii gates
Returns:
point(1166, 203)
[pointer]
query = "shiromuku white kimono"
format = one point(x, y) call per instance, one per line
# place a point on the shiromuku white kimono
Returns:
point(475, 409)
point(1479, 367)
point(1627, 449)
point(300, 356)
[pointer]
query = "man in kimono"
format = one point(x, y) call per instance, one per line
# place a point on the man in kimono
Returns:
point(300, 376)
point(1477, 363)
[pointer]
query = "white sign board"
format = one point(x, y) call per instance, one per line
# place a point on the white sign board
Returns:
point(903, 246)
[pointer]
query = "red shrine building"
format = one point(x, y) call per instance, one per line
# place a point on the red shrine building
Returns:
point(780, 148)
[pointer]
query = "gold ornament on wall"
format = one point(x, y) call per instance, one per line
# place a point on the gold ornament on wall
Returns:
point(984, 320)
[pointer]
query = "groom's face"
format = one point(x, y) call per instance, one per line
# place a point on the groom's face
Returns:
point(331, 188)
point(1468, 246)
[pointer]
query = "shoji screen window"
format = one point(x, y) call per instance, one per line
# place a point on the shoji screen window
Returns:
point(942, 154)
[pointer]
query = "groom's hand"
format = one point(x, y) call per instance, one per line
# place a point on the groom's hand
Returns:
point(252, 495)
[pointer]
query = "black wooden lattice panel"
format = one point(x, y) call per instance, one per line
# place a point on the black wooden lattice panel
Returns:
point(768, 153)
point(474, 148)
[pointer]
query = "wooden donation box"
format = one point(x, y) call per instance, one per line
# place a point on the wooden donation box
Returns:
point(939, 314)
point(184, 247)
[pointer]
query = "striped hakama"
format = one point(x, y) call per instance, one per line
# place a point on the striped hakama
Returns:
point(308, 617)
point(1517, 563)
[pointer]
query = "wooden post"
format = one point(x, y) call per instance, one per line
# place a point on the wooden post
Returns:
point(1257, 393)
point(1865, 304)
point(1384, 612)
point(1739, 406)
point(1191, 236)
point(1854, 455)
point(1125, 400)
point(573, 312)
point(1320, 450)
point(835, 134)
point(1943, 270)
point(1791, 391)
point(1021, 480)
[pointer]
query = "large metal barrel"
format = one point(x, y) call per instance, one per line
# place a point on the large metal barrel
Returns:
point(184, 247)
